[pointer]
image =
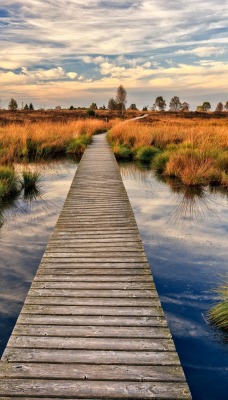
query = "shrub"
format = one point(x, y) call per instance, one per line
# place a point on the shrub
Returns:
point(8, 181)
point(218, 315)
point(146, 153)
point(122, 151)
point(78, 144)
point(160, 160)
point(191, 168)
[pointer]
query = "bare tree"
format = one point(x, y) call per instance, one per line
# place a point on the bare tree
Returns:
point(13, 106)
point(160, 103)
point(175, 104)
point(206, 106)
point(112, 104)
point(184, 106)
point(121, 98)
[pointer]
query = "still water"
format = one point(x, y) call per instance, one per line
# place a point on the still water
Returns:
point(27, 224)
point(185, 237)
point(184, 232)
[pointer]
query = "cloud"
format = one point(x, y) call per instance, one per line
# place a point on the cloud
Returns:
point(72, 75)
point(100, 43)
point(93, 60)
point(204, 51)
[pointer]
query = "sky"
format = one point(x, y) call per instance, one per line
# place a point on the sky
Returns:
point(74, 52)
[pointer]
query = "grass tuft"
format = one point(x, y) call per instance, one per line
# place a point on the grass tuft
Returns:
point(218, 315)
point(8, 182)
point(122, 152)
point(30, 180)
point(146, 153)
point(78, 145)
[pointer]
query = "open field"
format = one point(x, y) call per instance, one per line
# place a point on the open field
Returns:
point(193, 147)
point(193, 150)
point(42, 139)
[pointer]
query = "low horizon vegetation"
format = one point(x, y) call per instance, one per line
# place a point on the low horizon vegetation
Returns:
point(47, 139)
point(193, 151)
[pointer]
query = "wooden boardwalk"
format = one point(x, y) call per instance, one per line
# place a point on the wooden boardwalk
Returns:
point(92, 326)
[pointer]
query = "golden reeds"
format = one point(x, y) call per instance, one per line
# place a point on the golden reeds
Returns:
point(193, 150)
point(42, 138)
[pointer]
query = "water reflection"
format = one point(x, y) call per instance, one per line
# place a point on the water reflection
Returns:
point(27, 222)
point(187, 259)
point(190, 204)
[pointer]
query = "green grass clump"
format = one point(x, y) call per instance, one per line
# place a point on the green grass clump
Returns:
point(218, 315)
point(30, 180)
point(8, 181)
point(160, 160)
point(122, 152)
point(78, 145)
point(146, 153)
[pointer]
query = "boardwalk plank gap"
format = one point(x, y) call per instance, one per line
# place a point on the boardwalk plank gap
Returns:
point(92, 326)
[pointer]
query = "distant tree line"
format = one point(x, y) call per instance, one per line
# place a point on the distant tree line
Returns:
point(120, 102)
point(13, 106)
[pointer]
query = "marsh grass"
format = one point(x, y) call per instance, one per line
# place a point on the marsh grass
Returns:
point(145, 154)
point(30, 180)
point(122, 151)
point(8, 182)
point(218, 315)
point(194, 151)
point(45, 139)
point(78, 145)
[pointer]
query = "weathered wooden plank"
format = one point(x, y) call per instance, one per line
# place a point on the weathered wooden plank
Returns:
point(53, 263)
point(81, 248)
point(93, 310)
point(94, 285)
point(136, 373)
point(93, 331)
point(82, 343)
point(60, 277)
point(51, 257)
point(93, 293)
point(94, 301)
point(109, 357)
point(96, 389)
point(83, 273)
point(90, 320)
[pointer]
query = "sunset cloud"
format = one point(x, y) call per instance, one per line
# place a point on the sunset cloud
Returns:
point(141, 43)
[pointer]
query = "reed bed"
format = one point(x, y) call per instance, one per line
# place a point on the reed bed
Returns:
point(42, 139)
point(218, 315)
point(194, 151)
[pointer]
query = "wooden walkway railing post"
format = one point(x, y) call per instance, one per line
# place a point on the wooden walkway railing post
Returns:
point(92, 326)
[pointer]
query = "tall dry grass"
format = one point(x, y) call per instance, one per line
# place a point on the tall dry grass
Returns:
point(195, 151)
point(44, 138)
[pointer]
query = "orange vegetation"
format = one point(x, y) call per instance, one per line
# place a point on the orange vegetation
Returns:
point(193, 150)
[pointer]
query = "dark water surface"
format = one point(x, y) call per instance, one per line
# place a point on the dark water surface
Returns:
point(23, 239)
point(185, 237)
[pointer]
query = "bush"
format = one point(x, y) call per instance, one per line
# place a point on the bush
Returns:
point(192, 168)
point(160, 160)
point(146, 153)
point(78, 145)
point(8, 181)
point(122, 152)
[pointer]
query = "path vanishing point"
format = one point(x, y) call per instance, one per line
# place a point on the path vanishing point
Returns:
point(92, 326)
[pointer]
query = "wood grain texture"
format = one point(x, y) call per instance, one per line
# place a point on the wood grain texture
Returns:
point(92, 326)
